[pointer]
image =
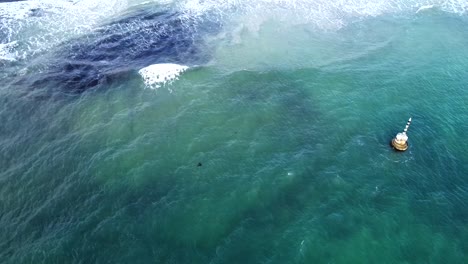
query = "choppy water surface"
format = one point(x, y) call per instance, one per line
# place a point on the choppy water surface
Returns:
point(233, 132)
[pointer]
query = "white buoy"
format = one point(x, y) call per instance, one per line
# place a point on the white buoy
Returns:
point(400, 142)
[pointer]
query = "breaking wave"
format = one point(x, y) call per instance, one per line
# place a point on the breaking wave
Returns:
point(157, 75)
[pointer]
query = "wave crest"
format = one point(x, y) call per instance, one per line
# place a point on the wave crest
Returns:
point(160, 74)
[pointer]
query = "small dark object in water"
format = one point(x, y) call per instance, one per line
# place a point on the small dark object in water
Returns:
point(199, 164)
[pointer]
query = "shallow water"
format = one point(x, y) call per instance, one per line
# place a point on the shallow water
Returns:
point(272, 147)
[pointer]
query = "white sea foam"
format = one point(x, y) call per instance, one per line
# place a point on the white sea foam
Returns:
point(157, 75)
point(323, 13)
point(38, 25)
point(7, 51)
point(455, 6)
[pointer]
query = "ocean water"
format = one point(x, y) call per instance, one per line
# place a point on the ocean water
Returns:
point(233, 131)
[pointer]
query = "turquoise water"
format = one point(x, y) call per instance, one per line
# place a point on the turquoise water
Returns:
point(273, 150)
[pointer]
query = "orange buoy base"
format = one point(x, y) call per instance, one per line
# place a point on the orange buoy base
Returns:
point(400, 146)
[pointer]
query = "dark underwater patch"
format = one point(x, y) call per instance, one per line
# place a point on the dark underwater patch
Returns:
point(121, 48)
point(8, 1)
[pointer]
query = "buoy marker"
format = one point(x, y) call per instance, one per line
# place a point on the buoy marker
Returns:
point(400, 142)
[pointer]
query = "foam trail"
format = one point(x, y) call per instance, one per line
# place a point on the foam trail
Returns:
point(424, 8)
point(160, 74)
